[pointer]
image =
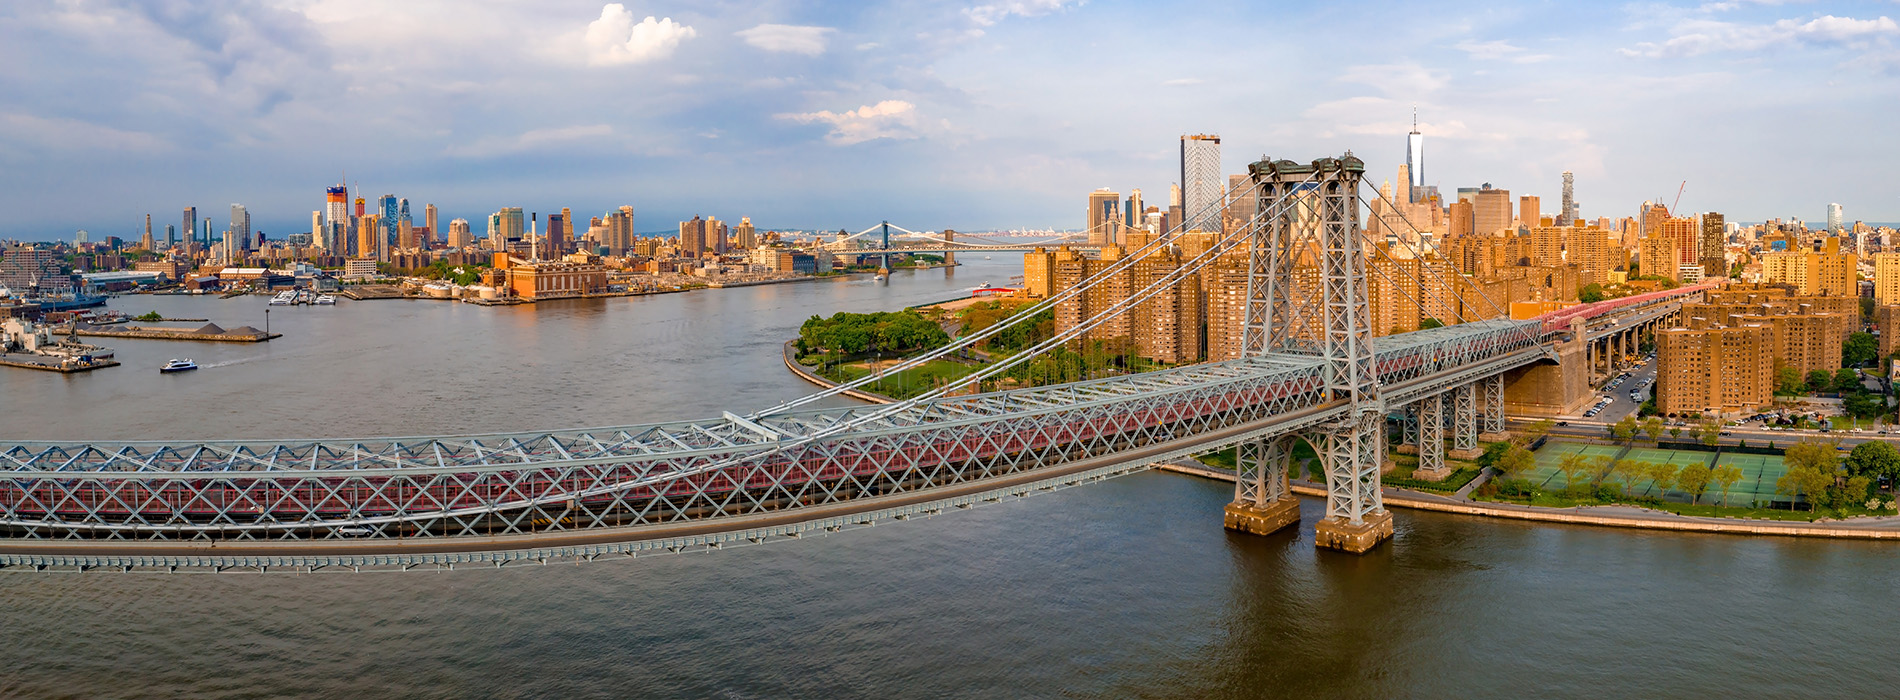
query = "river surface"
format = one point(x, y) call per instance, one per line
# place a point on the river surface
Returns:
point(1128, 588)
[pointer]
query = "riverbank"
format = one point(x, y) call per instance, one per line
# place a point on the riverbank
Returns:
point(791, 362)
point(1601, 516)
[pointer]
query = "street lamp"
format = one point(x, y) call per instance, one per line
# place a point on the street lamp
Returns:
point(266, 324)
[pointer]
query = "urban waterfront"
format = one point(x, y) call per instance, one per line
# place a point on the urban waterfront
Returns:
point(1126, 588)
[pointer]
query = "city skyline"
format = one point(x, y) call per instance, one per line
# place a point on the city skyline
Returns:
point(800, 115)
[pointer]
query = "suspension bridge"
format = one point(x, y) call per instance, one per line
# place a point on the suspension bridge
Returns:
point(1311, 370)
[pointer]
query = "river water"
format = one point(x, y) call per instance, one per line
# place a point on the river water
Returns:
point(1129, 588)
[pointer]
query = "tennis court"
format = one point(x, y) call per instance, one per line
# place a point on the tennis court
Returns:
point(1759, 473)
point(1673, 458)
point(1547, 475)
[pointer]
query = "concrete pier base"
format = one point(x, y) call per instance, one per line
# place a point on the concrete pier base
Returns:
point(1438, 474)
point(1333, 533)
point(1466, 455)
point(1494, 437)
point(1388, 466)
point(1406, 449)
point(1262, 520)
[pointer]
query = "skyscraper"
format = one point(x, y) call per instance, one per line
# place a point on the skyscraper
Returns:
point(171, 237)
point(1714, 245)
point(1415, 156)
point(1201, 184)
point(1568, 207)
point(240, 230)
point(1491, 211)
point(190, 228)
point(428, 219)
point(1834, 219)
point(1133, 213)
point(459, 237)
point(146, 241)
point(744, 236)
point(405, 225)
point(336, 204)
point(1102, 216)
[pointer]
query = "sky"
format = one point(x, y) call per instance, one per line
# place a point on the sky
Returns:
point(970, 114)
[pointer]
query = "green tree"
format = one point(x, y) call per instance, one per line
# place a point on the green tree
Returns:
point(1589, 293)
point(1820, 380)
point(1788, 382)
point(1804, 481)
point(1846, 380)
point(1859, 348)
point(1624, 429)
point(1727, 475)
point(1675, 431)
point(1662, 475)
point(1653, 426)
point(1711, 433)
point(1430, 323)
point(1818, 455)
point(1538, 430)
point(1864, 404)
point(1516, 462)
point(1574, 465)
point(1629, 472)
point(1867, 309)
point(1693, 480)
point(1874, 458)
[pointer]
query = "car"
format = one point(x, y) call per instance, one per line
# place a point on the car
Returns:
point(1725, 433)
point(1563, 423)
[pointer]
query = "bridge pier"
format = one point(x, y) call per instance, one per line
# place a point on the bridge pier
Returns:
point(1493, 429)
point(1357, 520)
point(1554, 388)
point(1431, 439)
point(1408, 429)
point(1263, 503)
point(1464, 428)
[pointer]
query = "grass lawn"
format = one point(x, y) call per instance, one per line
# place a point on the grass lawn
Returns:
point(907, 383)
point(1845, 422)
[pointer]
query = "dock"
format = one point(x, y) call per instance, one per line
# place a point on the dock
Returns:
point(209, 332)
point(50, 363)
point(360, 292)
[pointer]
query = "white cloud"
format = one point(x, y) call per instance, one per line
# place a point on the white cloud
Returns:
point(1499, 51)
point(530, 139)
point(787, 38)
point(989, 14)
point(890, 119)
point(1182, 81)
point(1406, 79)
point(1698, 37)
point(62, 133)
point(616, 39)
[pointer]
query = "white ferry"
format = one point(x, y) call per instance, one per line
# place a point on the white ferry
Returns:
point(178, 366)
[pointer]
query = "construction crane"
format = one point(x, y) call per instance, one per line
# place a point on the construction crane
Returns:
point(1678, 202)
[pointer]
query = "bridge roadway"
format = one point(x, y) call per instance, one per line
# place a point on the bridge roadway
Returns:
point(491, 500)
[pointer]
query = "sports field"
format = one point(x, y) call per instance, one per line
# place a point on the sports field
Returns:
point(1759, 472)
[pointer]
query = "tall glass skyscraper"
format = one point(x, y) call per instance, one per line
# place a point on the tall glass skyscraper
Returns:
point(1201, 183)
point(1834, 219)
point(240, 229)
point(1415, 156)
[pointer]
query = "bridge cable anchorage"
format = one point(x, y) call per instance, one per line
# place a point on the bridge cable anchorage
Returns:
point(1022, 316)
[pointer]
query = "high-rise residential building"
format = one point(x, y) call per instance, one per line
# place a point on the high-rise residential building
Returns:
point(316, 228)
point(692, 238)
point(405, 227)
point(1201, 182)
point(459, 236)
point(1657, 256)
point(1530, 211)
point(1568, 214)
point(1461, 220)
point(510, 222)
point(189, 225)
point(1834, 219)
point(360, 211)
point(240, 230)
point(1714, 245)
point(715, 236)
point(388, 207)
point(557, 235)
point(368, 234)
point(745, 236)
point(1491, 211)
point(171, 237)
point(81, 238)
point(428, 219)
point(1415, 159)
point(1829, 272)
point(1241, 202)
point(1133, 213)
point(1103, 217)
point(26, 270)
point(1688, 240)
point(616, 233)
point(1887, 279)
point(1039, 271)
point(336, 203)
point(1709, 366)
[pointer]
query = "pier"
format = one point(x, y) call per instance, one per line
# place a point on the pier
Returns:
point(209, 332)
point(51, 363)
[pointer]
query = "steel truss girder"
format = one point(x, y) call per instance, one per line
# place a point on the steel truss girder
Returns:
point(1431, 441)
point(1494, 403)
point(1262, 468)
point(1464, 435)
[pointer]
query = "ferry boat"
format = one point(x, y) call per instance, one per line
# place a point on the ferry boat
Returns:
point(177, 365)
point(325, 300)
point(284, 298)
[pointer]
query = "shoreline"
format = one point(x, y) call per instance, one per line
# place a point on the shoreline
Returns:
point(1640, 519)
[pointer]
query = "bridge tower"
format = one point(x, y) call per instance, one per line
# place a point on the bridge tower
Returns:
point(1334, 324)
point(950, 253)
point(884, 264)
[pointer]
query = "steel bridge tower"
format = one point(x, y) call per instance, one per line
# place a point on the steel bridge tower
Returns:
point(1329, 319)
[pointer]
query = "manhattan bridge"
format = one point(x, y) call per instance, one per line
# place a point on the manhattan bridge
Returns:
point(1311, 369)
